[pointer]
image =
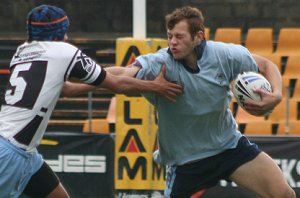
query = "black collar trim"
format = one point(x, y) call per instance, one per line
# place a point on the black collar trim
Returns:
point(199, 50)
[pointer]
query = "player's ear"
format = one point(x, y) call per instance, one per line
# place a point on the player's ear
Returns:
point(199, 36)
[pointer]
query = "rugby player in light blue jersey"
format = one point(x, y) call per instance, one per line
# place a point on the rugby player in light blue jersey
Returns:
point(39, 71)
point(198, 136)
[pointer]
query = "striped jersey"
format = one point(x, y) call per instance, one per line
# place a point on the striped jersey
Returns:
point(38, 71)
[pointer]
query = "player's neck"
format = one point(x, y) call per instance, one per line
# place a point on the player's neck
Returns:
point(191, 61)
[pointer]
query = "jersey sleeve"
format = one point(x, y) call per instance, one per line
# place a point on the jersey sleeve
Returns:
point(240, 60)
point(150, 66)
point(82, 67)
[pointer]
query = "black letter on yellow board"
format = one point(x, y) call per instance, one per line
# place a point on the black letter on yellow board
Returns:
point(132, 135)
point(132, 51)
point(158, 171)
point(141, 162)
point(127, 119)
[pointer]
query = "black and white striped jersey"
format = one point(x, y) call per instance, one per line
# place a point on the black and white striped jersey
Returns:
point(38, 72)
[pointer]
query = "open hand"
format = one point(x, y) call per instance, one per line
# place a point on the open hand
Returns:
point(165, 88)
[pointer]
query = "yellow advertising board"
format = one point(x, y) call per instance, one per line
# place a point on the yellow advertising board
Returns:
point(136, 128)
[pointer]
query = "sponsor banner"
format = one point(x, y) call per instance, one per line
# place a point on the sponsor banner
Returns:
point(83, 162)
point(129, 48)
point(158, 43)
point(135, 144)
point(136, 128)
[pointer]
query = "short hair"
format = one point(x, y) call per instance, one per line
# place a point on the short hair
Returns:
point(192, 15)
point(47, 23)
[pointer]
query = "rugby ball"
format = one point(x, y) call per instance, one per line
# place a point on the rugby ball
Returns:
point(245, 83)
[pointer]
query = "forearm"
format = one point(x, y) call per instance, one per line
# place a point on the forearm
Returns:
point(272, 74)
point(121, 81)
point(129, 70)
point(130, 85)
point(72, 89)
point(274, 77)
point(115, 70)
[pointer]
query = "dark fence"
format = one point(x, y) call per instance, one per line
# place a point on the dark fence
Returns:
point(115, 16)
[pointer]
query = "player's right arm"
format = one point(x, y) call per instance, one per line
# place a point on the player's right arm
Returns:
point(75, 88)
point(125, 84)
point(129, 71)
point(120, 80)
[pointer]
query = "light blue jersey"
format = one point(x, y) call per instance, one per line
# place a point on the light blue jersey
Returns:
point(199, 124)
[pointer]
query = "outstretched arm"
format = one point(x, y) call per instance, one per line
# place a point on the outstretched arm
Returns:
point(124, 83)
point(129, 71)
point(72, 89)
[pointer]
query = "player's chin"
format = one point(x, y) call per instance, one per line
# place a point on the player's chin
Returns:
point(178, 56)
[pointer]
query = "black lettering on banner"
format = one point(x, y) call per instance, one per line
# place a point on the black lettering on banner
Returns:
point(132, 50)
point(132, 133)
point(140, 163)
point(127, 119)
point(158, 171)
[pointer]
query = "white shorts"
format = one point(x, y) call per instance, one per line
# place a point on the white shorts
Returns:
point(16, 168)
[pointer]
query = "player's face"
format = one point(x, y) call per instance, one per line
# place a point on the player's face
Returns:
point(181, 42)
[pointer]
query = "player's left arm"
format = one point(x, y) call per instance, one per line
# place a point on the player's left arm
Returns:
point(269, 100)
